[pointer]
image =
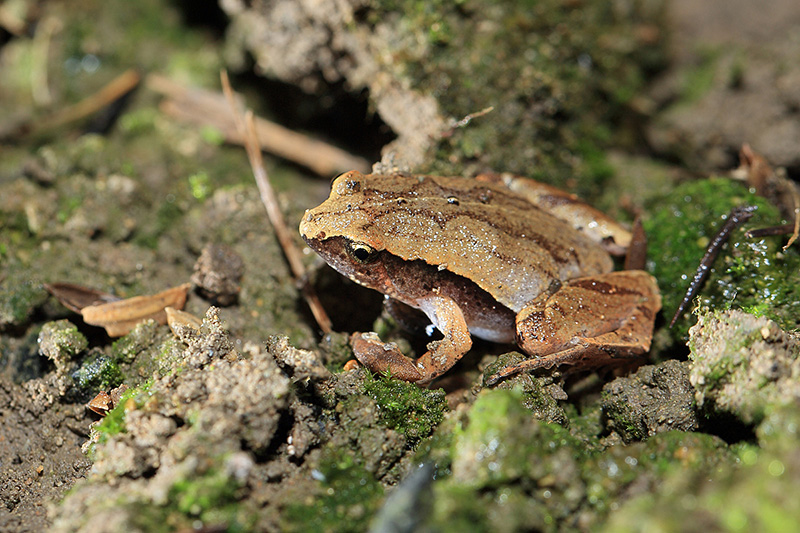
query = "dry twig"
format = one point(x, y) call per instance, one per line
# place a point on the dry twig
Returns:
point(247, 131)
point(796, 227)
point(111, 92)
point(206, 108)
point(108, 94)
point(40, 87)
point(11, 22)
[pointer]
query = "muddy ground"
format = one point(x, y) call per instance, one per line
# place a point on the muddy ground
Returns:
point(248, 422)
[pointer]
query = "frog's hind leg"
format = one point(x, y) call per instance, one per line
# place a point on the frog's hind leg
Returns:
point(442, 354)
point(603, 320)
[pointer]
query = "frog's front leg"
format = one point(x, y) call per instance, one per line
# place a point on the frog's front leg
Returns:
point(445, 314)
point(589, 322)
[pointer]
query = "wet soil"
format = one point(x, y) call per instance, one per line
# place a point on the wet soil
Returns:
point(239, 424)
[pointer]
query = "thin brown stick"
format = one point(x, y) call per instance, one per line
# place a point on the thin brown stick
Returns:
point(796, 228)
point(247, 131)
point(40, 87)
point(455, 124)
point(108, 94)
point(206, 108)
point(10, 22)
point(770, 231)
point(115, 89)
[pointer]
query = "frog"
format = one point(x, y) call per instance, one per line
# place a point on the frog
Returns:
point(497, 256)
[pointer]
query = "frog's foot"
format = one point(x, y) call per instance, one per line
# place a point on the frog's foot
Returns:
point(445, 314)
point(603, 320)
point(382, 357)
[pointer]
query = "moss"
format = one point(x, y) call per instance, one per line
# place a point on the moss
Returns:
point(67, 206)
point(165, 217)
point(780, 427)
point(65, 337)
point(540, 401)
point(60, 341)
point(652, 400)
point(200, 185)
point(756, 494)
point(207, 498)
point(554, 73)
point(336, 351)
point(585, 422)
point(18, 302)
point(112, 424)
point(437, 449)
point(502, 442)
point(97, 372)
point(750, 274)
point(348, 496)
point(509, 471)
point(537, 391)
point(114, 421)
point(405, 407)
point(625, 421)
point(169, 351)
point(460, 508)
point(699, 80)
point(610, 474)
point(127, 348)
point(147, 349)
point(210, 493)
point(743, 365)
point(138, 122)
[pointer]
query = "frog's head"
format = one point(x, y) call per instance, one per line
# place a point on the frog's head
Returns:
point(339, 231)
point(343, 214)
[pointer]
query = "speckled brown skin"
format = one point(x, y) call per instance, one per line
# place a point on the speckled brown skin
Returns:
point(479, 259)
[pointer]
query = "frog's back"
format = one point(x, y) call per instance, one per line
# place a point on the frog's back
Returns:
point(478, 230)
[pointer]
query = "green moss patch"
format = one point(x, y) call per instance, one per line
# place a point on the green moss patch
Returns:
point(556, 74)
point(348, 496)
point(750, 274)
point(405, 407)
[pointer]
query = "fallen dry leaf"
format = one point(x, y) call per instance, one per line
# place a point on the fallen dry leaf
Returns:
point(177, 319)
point(76, 297)
point(119, 318)
point(106, 401)
point(101, 404)
point(780, 191)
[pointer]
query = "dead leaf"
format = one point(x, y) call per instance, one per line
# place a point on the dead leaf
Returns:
point(177, 319)
point(756, 168)
point(106, 401)
point(76, 297)
point(119, 318)
point(774, 186)
point(101, 404)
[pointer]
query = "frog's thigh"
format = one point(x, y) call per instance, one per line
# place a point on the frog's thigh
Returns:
point(613, 312)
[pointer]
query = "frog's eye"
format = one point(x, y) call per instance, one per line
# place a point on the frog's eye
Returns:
point(360, 252)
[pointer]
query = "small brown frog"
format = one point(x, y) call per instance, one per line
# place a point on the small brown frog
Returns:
point(500, 257)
